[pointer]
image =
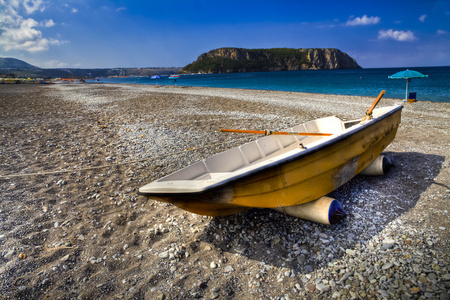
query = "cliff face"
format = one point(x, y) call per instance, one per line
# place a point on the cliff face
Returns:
point(227, 60)
point(327, 59)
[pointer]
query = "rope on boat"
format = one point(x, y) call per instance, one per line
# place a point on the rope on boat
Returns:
point(10, 176)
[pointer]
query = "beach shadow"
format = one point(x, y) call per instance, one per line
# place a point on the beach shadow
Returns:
point(282, 241)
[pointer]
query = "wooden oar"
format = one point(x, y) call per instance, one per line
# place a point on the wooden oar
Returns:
point(369, 112)
point(270, 132)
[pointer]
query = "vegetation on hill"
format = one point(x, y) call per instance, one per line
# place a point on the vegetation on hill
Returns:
point(256, 60)
point(13, 63)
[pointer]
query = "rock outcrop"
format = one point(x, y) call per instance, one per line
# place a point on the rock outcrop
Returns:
point(228, 60)
point(327, 59)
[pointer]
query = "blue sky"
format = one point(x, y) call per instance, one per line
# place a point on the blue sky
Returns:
point(163, 33)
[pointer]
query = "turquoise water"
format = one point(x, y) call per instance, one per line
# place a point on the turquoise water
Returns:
point(362, 82)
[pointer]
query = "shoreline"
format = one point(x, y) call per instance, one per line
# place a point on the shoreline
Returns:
point(223, 89)
point(86, 233)
point(368, 82)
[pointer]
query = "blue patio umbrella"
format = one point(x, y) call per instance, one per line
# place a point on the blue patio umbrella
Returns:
point(156, 77)
point(407, 74)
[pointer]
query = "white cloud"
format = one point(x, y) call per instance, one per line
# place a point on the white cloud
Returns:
point(48, 23)
point(364, 20)
point(119, 9)
point(441, 32)
point(19, 33)
point(422, 18)
point(398, 35)
point(72, 9)
point(33, 5)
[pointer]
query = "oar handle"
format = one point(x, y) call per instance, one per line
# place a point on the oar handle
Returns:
point(270, 132)
point(243, 131)
point(369, 112)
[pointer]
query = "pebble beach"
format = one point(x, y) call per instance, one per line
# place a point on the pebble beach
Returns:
point(72, 226)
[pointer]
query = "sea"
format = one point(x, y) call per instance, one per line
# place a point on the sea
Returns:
point(356, 82)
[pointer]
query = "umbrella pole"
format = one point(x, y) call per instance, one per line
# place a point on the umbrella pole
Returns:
point(406, 96)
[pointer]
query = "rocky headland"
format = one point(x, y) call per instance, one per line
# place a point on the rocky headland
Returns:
point(232, 60)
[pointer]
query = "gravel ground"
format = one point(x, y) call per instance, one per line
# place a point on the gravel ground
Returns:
point(72, 158)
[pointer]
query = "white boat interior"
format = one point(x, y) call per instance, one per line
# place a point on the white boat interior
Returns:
point(259, 154)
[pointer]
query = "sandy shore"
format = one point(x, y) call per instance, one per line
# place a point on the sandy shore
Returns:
point(72, 226)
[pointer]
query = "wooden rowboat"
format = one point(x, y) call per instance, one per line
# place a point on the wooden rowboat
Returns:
point(280, 170)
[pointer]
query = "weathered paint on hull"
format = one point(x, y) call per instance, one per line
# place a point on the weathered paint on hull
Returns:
point(298, 181)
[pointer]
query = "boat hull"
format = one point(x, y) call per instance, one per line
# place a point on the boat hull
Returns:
point(303, 179)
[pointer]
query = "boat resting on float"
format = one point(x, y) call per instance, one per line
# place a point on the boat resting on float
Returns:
point(280, 170)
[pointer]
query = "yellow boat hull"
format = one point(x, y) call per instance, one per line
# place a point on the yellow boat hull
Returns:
point(298, 181)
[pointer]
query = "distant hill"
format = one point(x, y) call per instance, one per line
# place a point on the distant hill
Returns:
point(12, 63)
point(19, 68)
point(230, 60)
